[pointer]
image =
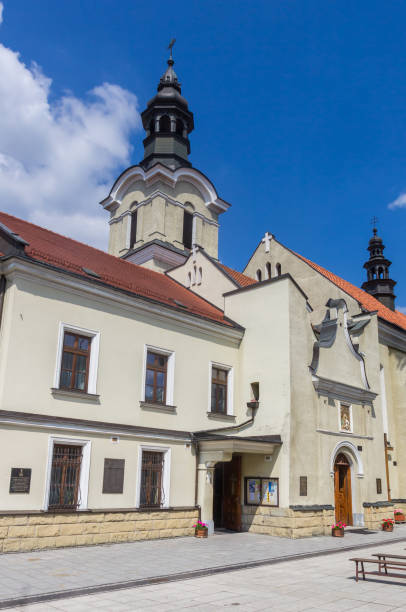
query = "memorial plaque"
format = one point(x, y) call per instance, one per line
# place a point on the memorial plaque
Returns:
point(113, 477)
point(20, 480)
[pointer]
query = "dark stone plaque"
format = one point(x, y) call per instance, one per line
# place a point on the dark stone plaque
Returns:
point(20, 480)
point(113, 477)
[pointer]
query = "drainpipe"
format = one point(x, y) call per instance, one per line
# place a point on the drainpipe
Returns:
point(387, 448)
point(250, 421)
point(2, 294)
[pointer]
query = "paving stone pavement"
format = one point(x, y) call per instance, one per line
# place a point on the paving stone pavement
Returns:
point(320, 583)
point(37, 573)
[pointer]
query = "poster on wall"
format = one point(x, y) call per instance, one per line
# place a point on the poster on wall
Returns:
point(253, 491)
point(270, 492)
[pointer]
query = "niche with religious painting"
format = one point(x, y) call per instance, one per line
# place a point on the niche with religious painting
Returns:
point(345, 418)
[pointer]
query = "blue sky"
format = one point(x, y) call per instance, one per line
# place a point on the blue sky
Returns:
point(299, 115)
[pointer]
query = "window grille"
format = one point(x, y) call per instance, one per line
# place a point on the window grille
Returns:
point(64, 491)
point(151, 494)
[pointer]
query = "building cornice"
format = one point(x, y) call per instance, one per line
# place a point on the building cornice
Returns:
point(155, 312)
point(268, 281)
point(159, 172)
point(342, 391)
point(161, 194)
point(44, 421)
point(392, 336)
point(158, 252)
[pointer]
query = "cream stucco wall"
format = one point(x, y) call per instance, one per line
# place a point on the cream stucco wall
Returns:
point(28, 447)
point(34, 314)
point(318, 288)
point(205, 278)
point(160, 209)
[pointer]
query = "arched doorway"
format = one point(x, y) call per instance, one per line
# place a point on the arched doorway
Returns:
point(342, 489)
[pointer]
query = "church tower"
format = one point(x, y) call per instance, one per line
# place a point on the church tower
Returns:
point(168, 123)
point(162, 207)
point(379, 284)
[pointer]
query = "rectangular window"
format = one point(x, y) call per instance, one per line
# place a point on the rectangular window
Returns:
point(155, 378)
point(133, 229)
point(151, 479)
point(75, 362)
point(219, 380)
point(65, 477)
point(187, 230)
point(379, 486)
point(113, 476)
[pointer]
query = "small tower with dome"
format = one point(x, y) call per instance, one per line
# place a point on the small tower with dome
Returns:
point(378, 283)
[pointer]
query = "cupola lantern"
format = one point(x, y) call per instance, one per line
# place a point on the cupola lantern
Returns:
point(378, 282)
point(168, 123)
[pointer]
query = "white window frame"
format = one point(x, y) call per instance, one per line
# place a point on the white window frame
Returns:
point(166, 474)
point(349, 406)
point(170, 373)
point(94, 354)
point(230, 386)
point(84, 468)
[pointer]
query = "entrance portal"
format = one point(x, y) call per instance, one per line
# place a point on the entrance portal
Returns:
point(342, 489)
point(227, 494)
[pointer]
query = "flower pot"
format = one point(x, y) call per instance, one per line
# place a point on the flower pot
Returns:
point(387, 527)
point(201, 533)
point(337, 532)
point(400, 518)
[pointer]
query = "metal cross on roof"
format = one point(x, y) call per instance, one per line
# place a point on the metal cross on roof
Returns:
point(170, 46)
point(374, 221)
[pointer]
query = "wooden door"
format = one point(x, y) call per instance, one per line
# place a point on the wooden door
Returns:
point(342, 489)
point(232, 494)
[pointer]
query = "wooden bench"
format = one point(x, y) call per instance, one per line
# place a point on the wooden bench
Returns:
point(383, 564)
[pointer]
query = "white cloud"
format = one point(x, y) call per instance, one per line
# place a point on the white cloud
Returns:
point(400, 202)
point(58, 159)
point(1, 12)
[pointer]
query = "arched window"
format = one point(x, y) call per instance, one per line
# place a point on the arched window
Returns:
point(259, 276)
point(268, 269)
point(189, 279)
point(194, 277)
point(278, 269)
point(164, 124)
point(199, 276)
point(380, 273)
point(179, 127)
point(152, 126)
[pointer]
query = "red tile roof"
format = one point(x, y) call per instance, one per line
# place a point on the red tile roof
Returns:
point(242, 279)
point(365, 299)
point(73, 256)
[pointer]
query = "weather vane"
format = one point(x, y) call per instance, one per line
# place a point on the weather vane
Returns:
point(170, 46)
